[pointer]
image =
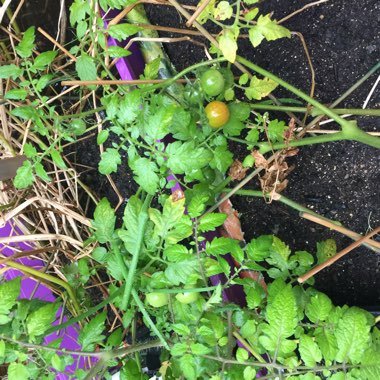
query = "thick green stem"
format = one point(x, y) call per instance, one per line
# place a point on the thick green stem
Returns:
point(142, 222)
point(267, 147)
point(338, 111)
point(350, 130)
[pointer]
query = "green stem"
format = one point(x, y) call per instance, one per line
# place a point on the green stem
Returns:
point(142, 221)
point(183, 290)
point(267, 147)
point(338, 111)
point(47, 277)
point(350, 130)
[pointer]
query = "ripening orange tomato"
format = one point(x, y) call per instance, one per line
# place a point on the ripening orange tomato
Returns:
point(217, 114)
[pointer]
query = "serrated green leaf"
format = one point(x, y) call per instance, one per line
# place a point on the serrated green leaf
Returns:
point(118, 52)
point(222, 159)
point(121, 32)
point(85, 67)
point(109, 161)
point(104, 221)
point(16, 93)
point(102, 136)
point(25, 112)
point(370, 369)
point(43, 60)
point(319, 307)
point(327, 342)
point(210, 221)
point(57, 363)
point(151, 68)
point(24, 176)
point(78, 11)
point(41, 172)
point(129, 107)
point(40, 320)
point(197, 205)
point(309, 351)
point(181, 329)
point(179, 272)
point(10, 71)
point(145, 174)
point(157, 124)
point(259, 249)
point(91, 333)
point(43, 81)
point(223, 11)
point(17, 371)
point(352, 336)
point(281, 313)
point(176, 253)
point(9, 292)
point(57, 159)
point(179, 349)
point(220, 246)
point(26, 45)
point(188, 367)
point(199, 349)
point(260, 88)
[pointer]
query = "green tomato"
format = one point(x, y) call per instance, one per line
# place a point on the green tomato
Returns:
point(212, 82)
point(157, 299)
point(78, 127)
point(193, 95)
point(187, 298)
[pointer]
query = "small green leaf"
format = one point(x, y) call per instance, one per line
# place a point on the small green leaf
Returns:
point(122, 31)
point(10, 71)
point(17, 371)
point(41, 172)
point(16, 94)
point(145, 174)
point(85, 67)
point(25, 47)
point(104, 221)
point(91, 334)
point(118, 52)
point(199, 349)
point(244, 78)
point(9, 292)
point(109, 161)
point(210, 221)
point(102, 136)
point(249, 373)
point(180, 329)
point(2, 349)
point(43, 60)
point(40, 320)
point(57, 363)
point(24, 177)
point(241, 355)
point(222, 159)
point(309, 351)
point(151, 68)
point(319, 307)
point(179, 349)
point(276, 130)
point(223, 11)
point(57, 159)
point(197, 205)
point(188, 366)
point(259, 249)
point(78, 11)
point(99, 254)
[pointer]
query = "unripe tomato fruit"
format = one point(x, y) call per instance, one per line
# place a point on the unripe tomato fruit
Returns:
point(187, 298)
point(217, 113)
point(78, 127)
point(212, 82)
point(157, 299)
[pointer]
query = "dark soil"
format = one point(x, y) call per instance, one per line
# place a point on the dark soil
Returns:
point(337, 180)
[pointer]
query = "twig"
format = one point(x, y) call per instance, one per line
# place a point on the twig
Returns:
point(336, 257)
point(56, 43)
point(345, 231)
point(197, 12)
point(301, 10)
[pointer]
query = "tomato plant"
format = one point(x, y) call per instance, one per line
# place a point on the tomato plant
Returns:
point(156, 299)
point(217, 114)
point(212, 82)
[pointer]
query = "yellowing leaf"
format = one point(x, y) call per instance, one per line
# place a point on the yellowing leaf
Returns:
point(268, 29)
point(260, 88)
point(228, 45)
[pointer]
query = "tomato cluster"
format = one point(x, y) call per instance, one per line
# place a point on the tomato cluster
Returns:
point(212, 84)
